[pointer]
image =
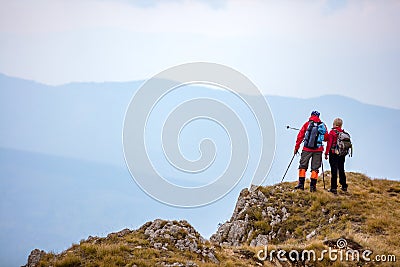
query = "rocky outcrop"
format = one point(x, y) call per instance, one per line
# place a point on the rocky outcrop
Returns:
point(253, 210)
point(231, 233)
point(179, 234)
point(166, 236)
point(260, 240)
point(34, 258)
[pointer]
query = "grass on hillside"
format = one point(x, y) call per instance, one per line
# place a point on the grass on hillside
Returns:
point(133, 249)
point(369, 214)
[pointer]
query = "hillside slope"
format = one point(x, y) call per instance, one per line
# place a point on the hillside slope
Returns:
point(366, 218)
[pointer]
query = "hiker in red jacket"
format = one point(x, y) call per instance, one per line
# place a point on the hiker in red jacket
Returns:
point(335, 160)
point(312, 134)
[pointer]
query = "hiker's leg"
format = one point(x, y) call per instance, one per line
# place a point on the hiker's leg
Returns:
point(333, 161)
point(304, 159)
point(316, 161)
point(342, 174)
point(315, 165)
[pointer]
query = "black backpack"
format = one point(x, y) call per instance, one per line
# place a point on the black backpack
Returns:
point(312, 135)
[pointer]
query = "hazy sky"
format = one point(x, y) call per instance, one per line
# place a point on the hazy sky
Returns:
point(289, 48)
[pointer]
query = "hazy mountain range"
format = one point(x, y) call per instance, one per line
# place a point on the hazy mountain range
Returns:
point(62, 170)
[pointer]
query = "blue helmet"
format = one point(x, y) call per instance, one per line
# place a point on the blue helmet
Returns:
point(315, 113)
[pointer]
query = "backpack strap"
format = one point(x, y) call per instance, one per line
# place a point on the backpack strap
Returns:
point(337, 136)
point(351, 151)
point(351, 148)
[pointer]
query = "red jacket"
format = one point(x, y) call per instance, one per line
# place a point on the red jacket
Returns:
point(302, 133)
point(332, 139)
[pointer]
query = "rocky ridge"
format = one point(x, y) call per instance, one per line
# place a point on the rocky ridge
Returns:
point(161, 235)
point(242, 229)
point(276, 216)
point(181, 235)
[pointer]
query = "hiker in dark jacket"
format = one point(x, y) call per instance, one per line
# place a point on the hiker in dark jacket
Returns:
point(312, 134)
point(336, 161)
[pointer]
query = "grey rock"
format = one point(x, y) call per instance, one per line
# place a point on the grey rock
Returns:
point(264, 214)
point(93, 239)
point(253, 188)
point(34, 258)
point(331, 220)
point(275, 220)
point(250, 233)
point(241, 205)
point(175, 264)
point(123, 232)
point(270, 211)
point(157, 245)
point(239, 229)
point(238, 232)
point(271, 235)
point(179, 234)
point(285, 214)
point(261, 197)
point(311, 235)
point(186, 244)
point(260, 240)
point(212, 257)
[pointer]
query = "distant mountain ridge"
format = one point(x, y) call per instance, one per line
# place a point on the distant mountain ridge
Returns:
point(60, 146)
point(81, 120)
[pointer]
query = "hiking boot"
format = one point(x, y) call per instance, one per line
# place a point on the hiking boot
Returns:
point(313, 185)
point(344, 188)
point(300, 185)
point(333, 191)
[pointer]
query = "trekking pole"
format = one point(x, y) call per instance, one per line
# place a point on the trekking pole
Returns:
point(323, 174)
point(288, 168)
point(292, 128)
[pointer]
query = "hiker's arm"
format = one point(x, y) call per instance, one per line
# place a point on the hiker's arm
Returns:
point(300, 136)
point(326, 135)
point(329, 142)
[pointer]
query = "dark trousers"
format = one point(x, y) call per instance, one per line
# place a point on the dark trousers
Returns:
point(316, 160)
point(337, 164)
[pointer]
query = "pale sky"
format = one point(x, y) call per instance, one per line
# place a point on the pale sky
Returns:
point(289, 48)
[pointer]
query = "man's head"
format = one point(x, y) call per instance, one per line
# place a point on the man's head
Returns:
point(315, 113)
